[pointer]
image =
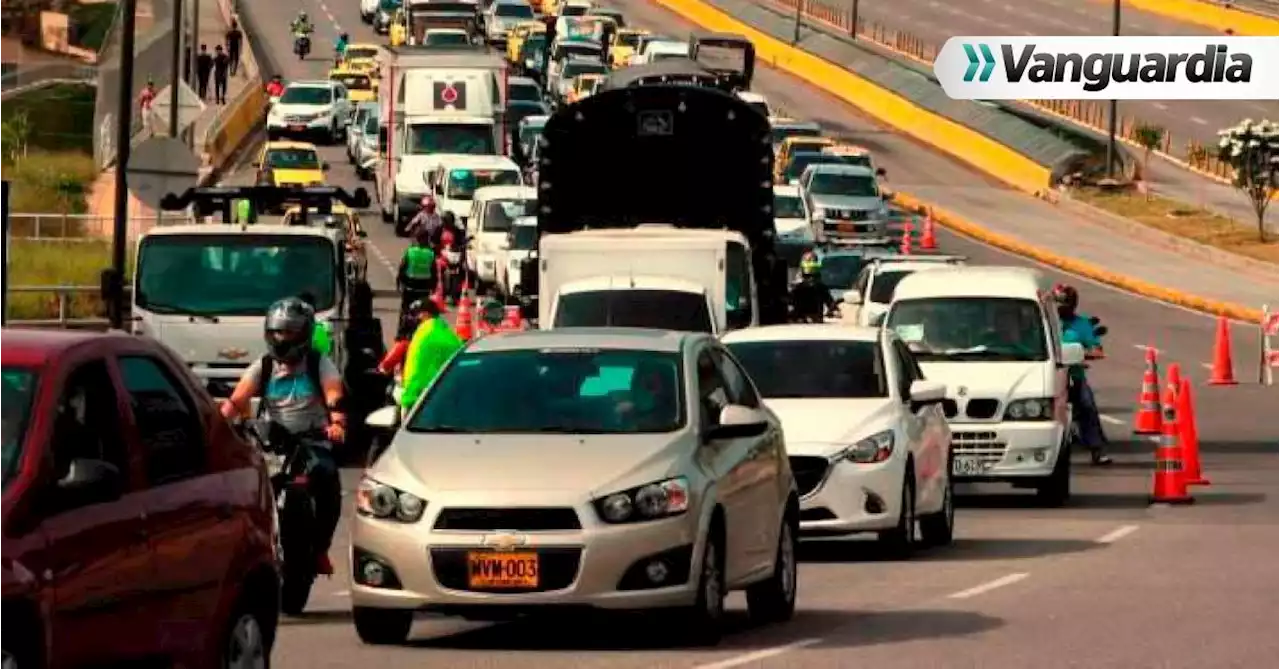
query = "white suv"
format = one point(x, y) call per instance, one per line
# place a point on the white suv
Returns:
point(311, 108)
point(873, 291)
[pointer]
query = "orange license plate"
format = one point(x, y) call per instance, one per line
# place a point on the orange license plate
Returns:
point(493, 570)
point(848, 227)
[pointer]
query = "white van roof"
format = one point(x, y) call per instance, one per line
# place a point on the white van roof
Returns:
point(975, 281)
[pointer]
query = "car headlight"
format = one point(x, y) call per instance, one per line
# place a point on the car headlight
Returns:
point(819, 213)
point(1038, 408)
point(378, 500)
point(647, 502)
point(528, 62)
point(876, 448)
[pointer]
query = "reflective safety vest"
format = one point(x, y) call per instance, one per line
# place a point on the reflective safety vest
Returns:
point(244, 211)
point(419, 262)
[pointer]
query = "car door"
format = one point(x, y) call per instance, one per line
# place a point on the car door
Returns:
point(923, 431)
point(189, 517)
point(97, 559)
point(766, 464)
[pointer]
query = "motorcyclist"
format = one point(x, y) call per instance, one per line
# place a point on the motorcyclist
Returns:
point(397, 31)
point(244, 212)
point(426, 219)
point(810, 297)
point(322, 333)
point(301, 26)
point(394, 359)
point(416, 277)
point(340, 47)
point(1078, 329)
point(433, 344)
point(275, 87)
point(302, 392)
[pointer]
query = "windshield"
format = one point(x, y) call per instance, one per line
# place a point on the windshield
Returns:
point(514, 11)
point(573, 10)
point(523, 92)
point(361, 52)
point(958, 329)
point(447, 38)
point(635, 308)
point(849, 185)
point(781, 133)
point(523, 238)
point(842, 270)
point(355, 82)
point(806, 158)
point(306, 95)
point(532, 47)
point(293, 159)
point(529, 134)
point(463, 183)
point(577, 49)
point(498, 214)
point(570, 391)
point(787, 206)
point(629, 39)
point(466, 139)
point(19, 391)
point(232, 274)
point(576, 68)
point(389, 6)
point(883, 283)
point(817, 369)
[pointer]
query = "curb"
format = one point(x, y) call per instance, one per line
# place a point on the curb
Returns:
point(1210, 15)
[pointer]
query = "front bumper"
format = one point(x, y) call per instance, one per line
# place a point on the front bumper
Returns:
point(283, 126)
point(871, 231)
point(592, 567)
point(853, 498)
point(1004, 451)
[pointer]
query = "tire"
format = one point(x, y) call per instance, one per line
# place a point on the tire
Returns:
point(1055, 490)
point(246, 643)
point(703, 623)
point(938, 529)
point(774, 600)
point(900, 542)
point(382, 627)
point(388, 217)
point(298, 572)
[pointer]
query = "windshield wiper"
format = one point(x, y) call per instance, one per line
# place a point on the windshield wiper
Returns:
point(986, 354)
point(440, 429)
point(174, 310)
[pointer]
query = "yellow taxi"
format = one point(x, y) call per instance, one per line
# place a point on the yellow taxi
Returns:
point(361, 87)
point(518, 34)
point(584, 86)
point(290, 164)
point(790, 146)
point(623, 47)
point(339, 215)
point(363, 58)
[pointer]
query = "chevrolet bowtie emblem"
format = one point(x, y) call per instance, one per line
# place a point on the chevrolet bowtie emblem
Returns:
point(232, 353)
point(504, 541)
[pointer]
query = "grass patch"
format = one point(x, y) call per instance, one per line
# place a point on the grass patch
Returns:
point(92, 23)
point(55, 263)
point(1183, 220)
point(52, 183)
point(59, 118)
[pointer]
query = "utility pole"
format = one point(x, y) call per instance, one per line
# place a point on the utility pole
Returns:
point(194, 46)
point(795, 39)
point(853, 22)
point(174, 98)
point(113, 284)
point(1113, 109)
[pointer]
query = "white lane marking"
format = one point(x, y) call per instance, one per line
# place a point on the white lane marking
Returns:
point(1161, 107)
point(1110, 420)
point(989, 586)
point(1117, 534)
point(382, 258)
point(1144, 347)
point(1000, 25)
point(1009, 8)
point(759, 655)
point(340, 593)
point(1207, 366)
point(1199, 121)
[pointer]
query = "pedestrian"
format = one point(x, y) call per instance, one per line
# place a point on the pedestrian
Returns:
point(146, 99)
point(221, 63)
point(204, 67)
point(235, 42)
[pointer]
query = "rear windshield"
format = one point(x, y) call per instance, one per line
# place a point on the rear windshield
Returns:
point(817, 369)
point(660, 309)
point(498, 214)
point(512, 10)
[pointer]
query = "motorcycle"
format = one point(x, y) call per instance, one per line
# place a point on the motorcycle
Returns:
point(296, 521)
point(453, 273)
point(302, 46)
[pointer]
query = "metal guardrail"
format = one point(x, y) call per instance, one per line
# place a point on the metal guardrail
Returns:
point(64, 318)
point(75, 228)
point(26, 78)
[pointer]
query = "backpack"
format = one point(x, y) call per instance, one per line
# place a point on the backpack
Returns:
point(268, 369)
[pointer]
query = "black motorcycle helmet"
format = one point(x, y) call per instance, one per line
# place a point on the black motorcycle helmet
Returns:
point(288, 329)
point(1067, 299)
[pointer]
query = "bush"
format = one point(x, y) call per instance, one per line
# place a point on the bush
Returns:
point(45, 182)
point(56, 263)
point(61, 116)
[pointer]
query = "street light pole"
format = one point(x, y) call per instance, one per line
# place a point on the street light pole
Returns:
point(853, 22)
point(194, 47)
point(1113, 107)
point(795, 38)
point(176, 52)
point(114, 283)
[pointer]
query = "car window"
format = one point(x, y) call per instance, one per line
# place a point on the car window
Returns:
point(168, 427)
point(19, 393)
point(737, 383)
point(906, 369)
point(712, 397)
point(87, 421)
point(884, 284)
point(813, 368)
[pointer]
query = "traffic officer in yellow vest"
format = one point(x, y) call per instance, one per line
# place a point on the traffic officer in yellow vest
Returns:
point(416, 278)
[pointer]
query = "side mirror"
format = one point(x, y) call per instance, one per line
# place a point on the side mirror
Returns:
point(386, 418)
point(924, 392)
point(91, 481)
point(852, 297)
point(881, 173)
point(737, 422)
point(1072, 354)
point(324, 167)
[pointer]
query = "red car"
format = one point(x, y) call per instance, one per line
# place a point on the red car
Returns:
point(137, 525)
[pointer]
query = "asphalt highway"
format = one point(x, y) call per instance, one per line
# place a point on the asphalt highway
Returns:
point(935, 21)
point(1106, 582)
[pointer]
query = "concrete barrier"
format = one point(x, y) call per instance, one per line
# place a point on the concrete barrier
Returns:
point(1211, 15)
point(966, 144)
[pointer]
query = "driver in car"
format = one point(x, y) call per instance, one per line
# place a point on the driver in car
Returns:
point(651, 402)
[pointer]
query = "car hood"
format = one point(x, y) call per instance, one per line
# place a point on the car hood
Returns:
point(846, 202)
point(304, 177)
point(590, 464)
point(294, 109)
point(796, 228)
point(996, 380)
point(824, 427)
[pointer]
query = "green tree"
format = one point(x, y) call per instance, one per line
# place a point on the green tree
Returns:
point(1148, 136)
point(1253, 152)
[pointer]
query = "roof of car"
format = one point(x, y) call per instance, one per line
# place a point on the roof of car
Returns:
point(288, 144)
point(843, 168)
point(465, 161)
point(522, 81)
point(311, 83)
point(971, 281)
point(786, 190)
point(802, 332)
point(495, 192)
point(29, 347)
point(639, 339)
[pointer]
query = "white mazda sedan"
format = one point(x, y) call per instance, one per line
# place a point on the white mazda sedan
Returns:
point(866, 435)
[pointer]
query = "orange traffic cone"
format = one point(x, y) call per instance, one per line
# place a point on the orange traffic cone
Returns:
point(1223, 373)
point(464, 325)
point(1190, 435)
point(511, 320)
point(464, 295)
point(905, 247)
point(1174, 378)
point(1169, 486)
point(1147, 420)
point(927, 240)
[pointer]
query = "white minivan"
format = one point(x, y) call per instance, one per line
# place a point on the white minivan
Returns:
point(991, 334)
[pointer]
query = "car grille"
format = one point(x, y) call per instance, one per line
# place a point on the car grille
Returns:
point(847, 214)
point(557, 569)
point(949, 408)
point(520, 520)
point(984, 444)
point(810, 472)
point(841, 227)
point(981, 409)
point(297, 119)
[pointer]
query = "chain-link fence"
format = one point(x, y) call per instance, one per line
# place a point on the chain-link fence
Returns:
point(152, 62)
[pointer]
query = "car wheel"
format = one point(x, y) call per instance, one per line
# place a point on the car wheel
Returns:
point(247, 644)
point(382, 627)
point(900, 541)
point(703, 623)
point(774, 600)
point(938, 529)
point(1055, 490)
point(334, 137)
